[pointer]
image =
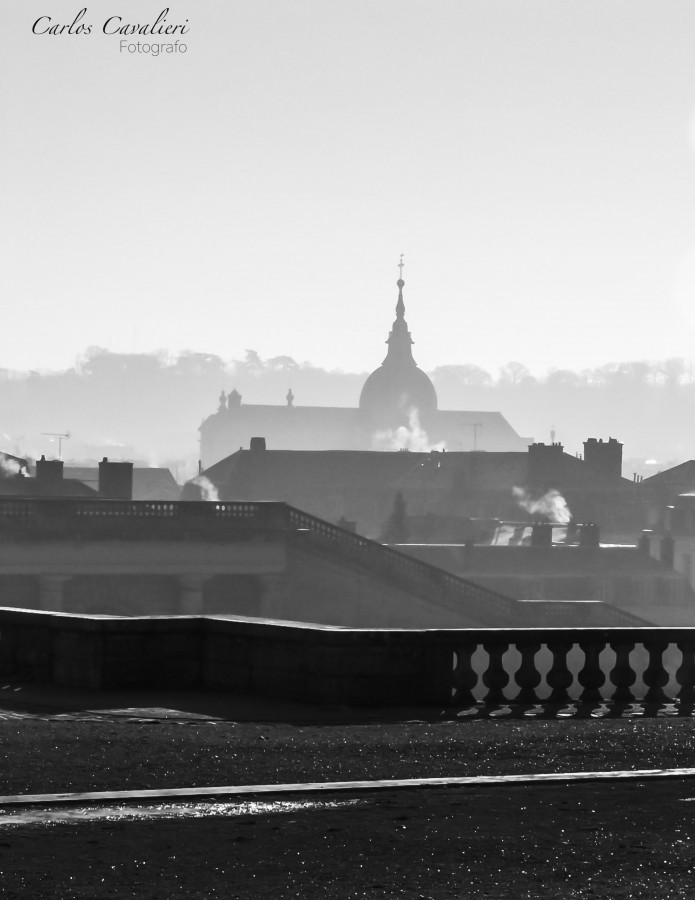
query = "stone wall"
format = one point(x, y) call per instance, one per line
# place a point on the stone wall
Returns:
point(300, 662)
point(356, 667)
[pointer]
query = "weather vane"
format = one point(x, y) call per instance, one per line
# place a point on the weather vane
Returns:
point(400, 267)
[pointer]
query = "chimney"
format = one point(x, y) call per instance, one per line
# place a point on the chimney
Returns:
point(49, 474)
point(606, 457)
point(115, 480)
point(544, 464)
point(257, 445)
point(589, 535)
point(542, 535)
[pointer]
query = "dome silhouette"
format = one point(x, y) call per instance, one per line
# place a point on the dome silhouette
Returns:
point(398, 388)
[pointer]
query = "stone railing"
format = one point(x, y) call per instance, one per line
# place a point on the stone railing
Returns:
point(447, 669)
point(585, 665)
point(28, 508)
point(34, 518)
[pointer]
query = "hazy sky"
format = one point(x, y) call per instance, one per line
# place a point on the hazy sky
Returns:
point(533, 159)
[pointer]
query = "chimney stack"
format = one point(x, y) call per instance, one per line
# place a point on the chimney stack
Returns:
point(589, 535)
point(544, 465)
point(115, 480)
point(49, 474)
point(542, 535)
point(606, 457)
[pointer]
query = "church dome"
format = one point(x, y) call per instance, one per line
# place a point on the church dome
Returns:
point(398, 387)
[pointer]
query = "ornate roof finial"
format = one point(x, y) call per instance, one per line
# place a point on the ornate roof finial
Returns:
point(400, 306)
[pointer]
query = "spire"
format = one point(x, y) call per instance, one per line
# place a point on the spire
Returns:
point(399, 339)
point(397, 387)
point(400, 306)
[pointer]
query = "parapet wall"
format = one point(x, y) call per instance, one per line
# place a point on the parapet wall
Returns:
point(357, 667)
point(302, 662)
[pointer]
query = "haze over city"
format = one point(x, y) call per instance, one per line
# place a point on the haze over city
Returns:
point(347, 448)
point(534, 161)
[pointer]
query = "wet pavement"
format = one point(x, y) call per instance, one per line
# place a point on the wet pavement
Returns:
point(112, 813)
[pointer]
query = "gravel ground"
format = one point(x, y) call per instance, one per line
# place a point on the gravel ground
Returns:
point(41, 756)
point(627, 840)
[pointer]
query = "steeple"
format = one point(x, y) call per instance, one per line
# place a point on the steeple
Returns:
point(399, 339)
point(400, 306)
point(397, 388)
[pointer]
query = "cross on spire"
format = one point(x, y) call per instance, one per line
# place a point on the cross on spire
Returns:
point(400, 267)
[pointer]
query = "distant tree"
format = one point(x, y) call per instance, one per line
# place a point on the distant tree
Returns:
point(591, 377)
point(83, 362)
point(688, 372)
point(626, 374)
point(282, 364)
point(253, 363)
point(189, 363)
point(608, 374)
point(562, 378)
point(637, 371)
point(515, 373)
point(672, 372)
point(396, 527)
point(109, 366)
point(466, 375)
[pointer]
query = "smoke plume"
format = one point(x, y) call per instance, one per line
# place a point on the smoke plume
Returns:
point(410, 437)
point(208, 491)
point(10, 467)
point(552, 506)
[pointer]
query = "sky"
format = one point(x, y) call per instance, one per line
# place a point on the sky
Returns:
point(534, 161)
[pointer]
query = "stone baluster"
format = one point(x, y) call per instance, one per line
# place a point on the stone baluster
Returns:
point(465, 676)
point(559, 677)
point(685, 676)
point(495, 677)
point(655, 675)
point(527, 675)
point(591, 676)
point(622, 674)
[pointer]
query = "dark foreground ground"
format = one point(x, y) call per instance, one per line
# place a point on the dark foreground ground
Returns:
point(565, 841)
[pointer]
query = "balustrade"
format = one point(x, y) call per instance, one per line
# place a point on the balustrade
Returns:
point(491, 671)
point(653, 665)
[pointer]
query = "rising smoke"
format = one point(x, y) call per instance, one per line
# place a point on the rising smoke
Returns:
point(10, 467)
point(410, 437)
point(552, 506)
point(208, 491)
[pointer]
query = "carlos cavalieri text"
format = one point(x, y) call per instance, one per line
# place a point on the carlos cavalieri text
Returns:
point(115, 25)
